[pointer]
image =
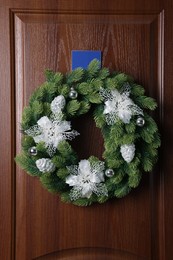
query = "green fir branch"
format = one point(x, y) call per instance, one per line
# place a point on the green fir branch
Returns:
point(27, 163)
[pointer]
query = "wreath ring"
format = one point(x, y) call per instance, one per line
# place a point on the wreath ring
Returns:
point(131, 137)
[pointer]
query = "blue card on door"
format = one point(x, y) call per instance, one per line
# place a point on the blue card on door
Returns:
point(81, 58)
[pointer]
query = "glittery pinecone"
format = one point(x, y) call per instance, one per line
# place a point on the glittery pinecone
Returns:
point(128, 152)
point(45, 165)
point(58, 104)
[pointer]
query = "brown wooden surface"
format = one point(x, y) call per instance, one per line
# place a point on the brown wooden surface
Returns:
point(35, 35)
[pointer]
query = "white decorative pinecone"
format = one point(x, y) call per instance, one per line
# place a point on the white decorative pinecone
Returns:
point(58, 104)
point(128, 152)
point(45, 165)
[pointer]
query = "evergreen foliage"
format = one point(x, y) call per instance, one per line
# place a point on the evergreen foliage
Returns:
point(88, 83)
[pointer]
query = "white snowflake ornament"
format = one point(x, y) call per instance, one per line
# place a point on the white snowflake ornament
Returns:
point(118, 105)
point(45, 165)
point(87, 178)
point(128, 152)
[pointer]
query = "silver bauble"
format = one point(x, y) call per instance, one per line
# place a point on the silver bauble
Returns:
point(109, 173)
point(140, 121)
point(33, 151)
point(73, 93)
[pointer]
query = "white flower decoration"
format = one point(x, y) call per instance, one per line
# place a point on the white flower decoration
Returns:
point(86, 179)
point(119, 105)
point(54, 130)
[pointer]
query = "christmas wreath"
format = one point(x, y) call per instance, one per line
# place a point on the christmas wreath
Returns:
point(131, 137)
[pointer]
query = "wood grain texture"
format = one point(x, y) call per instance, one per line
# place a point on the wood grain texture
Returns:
point(119, 224)
point(167, 149)
point(120, 6)
point(90, 254)
point(131, 35)
point(6, 140)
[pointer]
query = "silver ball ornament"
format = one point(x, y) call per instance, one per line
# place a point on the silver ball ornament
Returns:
point(140, 121)
point(33, 151)
point(109, 173)
point(73, 93)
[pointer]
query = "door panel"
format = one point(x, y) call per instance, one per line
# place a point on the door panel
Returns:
point(90, 254)
point(45, 41)
point(36, 35)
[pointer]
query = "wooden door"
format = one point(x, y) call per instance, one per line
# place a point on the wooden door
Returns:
point(35, 35)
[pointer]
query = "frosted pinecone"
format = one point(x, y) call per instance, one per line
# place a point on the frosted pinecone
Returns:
point(128, 152)
point(58, 104)
point(45, 165)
